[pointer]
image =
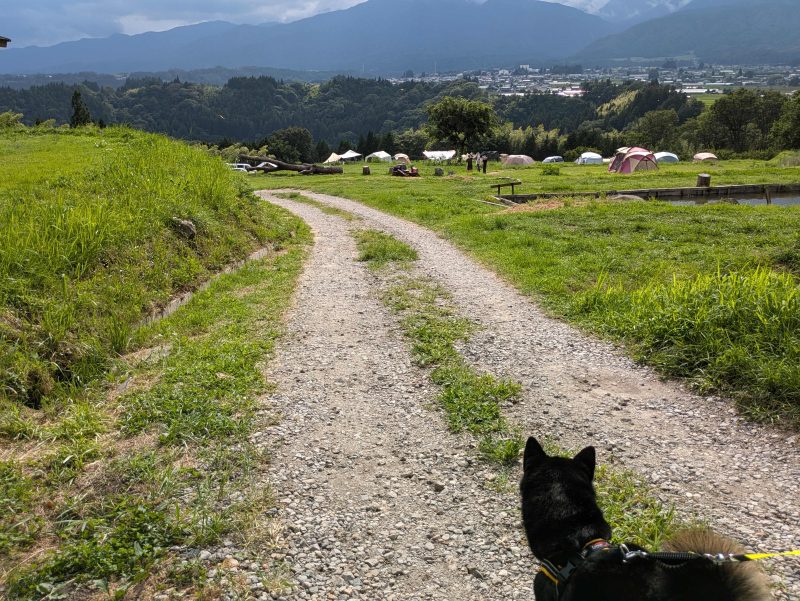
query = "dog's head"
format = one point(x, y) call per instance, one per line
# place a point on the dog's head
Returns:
point(559, 510)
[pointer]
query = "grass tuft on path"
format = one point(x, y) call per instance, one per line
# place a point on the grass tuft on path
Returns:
point(473, 402)
point(379, 249)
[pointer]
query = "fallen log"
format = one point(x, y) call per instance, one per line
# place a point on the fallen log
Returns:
point(268, 165)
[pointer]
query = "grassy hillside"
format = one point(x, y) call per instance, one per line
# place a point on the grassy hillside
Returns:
point(127, 430)
point(89, 247)
point(705, 292)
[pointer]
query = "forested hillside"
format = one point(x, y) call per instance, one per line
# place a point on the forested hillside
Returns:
point(307, 121)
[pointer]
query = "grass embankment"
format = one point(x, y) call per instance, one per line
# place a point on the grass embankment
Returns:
point(472, 401)
point(117, 440)
point(566, 255)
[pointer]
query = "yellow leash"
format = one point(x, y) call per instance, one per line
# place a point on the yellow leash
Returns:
point(757, 556)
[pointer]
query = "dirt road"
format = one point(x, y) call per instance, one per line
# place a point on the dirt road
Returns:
point(382, 502)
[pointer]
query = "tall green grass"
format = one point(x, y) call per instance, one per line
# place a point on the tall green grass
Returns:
point(85, 255)
point(737, 331)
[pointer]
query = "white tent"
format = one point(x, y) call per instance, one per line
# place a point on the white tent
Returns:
point(516, 159)
point(439, 155)
point(667, 157)
point(350, 155)
point(334, 158)
point(402, 157)
point(705, 156)
point(554, 159)
point(589, 158)
point(379, 156)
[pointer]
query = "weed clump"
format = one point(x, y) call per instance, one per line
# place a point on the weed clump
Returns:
point(737, 332)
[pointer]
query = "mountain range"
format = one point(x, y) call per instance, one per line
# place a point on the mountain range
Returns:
point(383, 37)
point(716, 31)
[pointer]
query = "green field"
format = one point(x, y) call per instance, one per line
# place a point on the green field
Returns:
point(602, 263)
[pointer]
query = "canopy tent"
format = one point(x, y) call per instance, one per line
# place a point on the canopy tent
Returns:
point(589, 158)
point(350, 155)
point(636, 160)
point(516, 159)
point(334, 158)
point(666, 157)
point(619, 157)
point(554, 159)
point(379, 156)
point(705, 156)
point(439, 155)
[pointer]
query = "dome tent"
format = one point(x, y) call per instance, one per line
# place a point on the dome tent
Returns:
point(378, 156)
point(666, 157)
point(634, 158)
point(589, 158)
point(554, 159)
point(516, 159)
point(620, 155)
point(705, 156)
point(637, 160)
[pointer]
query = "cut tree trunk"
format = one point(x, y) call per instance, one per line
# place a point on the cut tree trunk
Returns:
point(268, 165)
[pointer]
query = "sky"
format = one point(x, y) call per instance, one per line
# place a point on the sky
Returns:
point(48, 22)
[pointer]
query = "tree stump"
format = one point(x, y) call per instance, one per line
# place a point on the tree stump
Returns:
point(438, 172)
point(365, 170)
point(703, 180)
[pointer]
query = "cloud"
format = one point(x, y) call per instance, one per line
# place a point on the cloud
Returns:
point(54, 21)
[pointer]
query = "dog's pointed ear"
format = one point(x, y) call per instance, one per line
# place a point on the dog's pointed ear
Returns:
point(534, 453)
point(587, 459)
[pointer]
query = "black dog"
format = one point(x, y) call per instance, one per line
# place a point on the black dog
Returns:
point(567, 532)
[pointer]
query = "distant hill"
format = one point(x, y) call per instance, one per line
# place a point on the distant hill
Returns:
point(215, 76)
point(375, 37)
point(719, 31)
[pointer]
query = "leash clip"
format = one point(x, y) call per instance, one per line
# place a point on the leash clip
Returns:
point(628, 555)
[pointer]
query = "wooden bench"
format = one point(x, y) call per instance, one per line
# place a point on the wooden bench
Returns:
point(511, 182)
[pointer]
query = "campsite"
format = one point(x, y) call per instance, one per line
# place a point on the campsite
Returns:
point(392, 300)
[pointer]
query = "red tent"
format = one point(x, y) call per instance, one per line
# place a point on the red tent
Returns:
point(633, 158)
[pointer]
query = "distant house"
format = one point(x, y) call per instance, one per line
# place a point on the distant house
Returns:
point(4, 42)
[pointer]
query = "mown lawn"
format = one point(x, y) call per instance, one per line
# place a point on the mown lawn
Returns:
point(569, 256)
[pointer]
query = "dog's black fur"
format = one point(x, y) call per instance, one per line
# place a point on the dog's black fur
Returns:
point(560, 515)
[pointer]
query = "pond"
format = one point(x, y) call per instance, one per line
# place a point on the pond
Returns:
point(781, 200)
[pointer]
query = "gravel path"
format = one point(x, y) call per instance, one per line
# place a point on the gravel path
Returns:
point(384, 503)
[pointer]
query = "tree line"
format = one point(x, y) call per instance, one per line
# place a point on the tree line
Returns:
point(306, 122)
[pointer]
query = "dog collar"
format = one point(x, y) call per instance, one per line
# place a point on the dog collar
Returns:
point(559, 575)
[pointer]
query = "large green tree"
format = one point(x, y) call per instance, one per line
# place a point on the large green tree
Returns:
point(292, 144)
point(786, 131)
point(657, 130)
point(459, 121)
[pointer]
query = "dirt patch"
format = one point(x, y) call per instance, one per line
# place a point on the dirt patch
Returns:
point(535, 208)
